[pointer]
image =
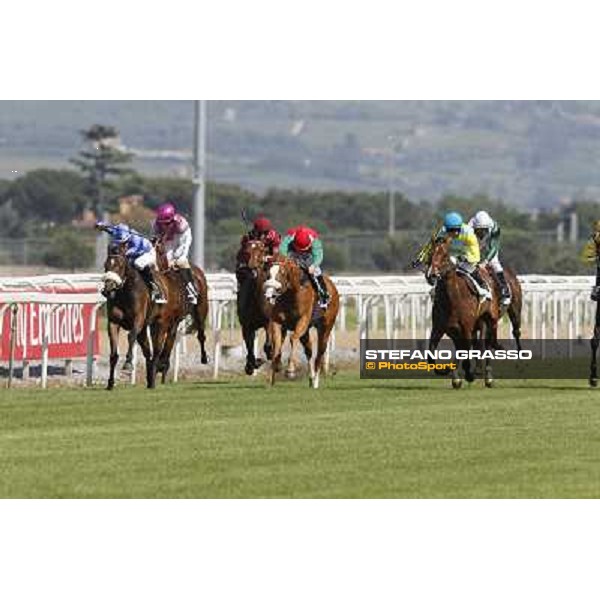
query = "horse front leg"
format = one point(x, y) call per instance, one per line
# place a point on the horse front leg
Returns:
point(308, 352)
point(164, 361)
point(152, 362)
point(113, 338)
point(434, 339)
point(300, 329)
point(131, 339)
point(277, 341)
point(249, 334)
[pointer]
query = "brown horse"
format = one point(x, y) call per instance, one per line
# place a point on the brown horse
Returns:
point(181, 308)
point(251, 273)
point(459, 313)
point(129, 307)
point(291, 303)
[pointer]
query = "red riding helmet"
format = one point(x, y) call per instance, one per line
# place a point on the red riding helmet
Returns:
point(262, 224)
point(165, 213)
point(302, 240)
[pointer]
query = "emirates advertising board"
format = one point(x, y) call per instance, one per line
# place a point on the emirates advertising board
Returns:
point(68, 332)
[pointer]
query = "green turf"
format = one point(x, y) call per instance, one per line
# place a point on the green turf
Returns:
point(350, 439)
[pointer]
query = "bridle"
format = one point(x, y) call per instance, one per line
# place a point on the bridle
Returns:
point(113, 281)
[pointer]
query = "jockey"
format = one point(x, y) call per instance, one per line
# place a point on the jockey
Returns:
point(262, 230)
point(464, 248)
point(488, 234)
point(304, 246)
point(173, 230)
point(139, 251)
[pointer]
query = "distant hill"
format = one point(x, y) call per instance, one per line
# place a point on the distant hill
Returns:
point(529, 153)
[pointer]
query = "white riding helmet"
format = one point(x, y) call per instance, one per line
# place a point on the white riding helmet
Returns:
point(482, 220)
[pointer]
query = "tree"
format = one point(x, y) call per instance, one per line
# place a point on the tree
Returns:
point(69, 251)
point(100, 159)
point(46, 195)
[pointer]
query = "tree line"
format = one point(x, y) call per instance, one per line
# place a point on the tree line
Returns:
point(45, 202)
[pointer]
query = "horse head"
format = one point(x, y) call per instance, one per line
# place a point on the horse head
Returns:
point(255, 254)
point(116, 267)
point(283, 276)
point(441, 262)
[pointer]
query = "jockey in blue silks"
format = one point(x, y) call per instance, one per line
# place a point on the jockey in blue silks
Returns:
point(140, 253)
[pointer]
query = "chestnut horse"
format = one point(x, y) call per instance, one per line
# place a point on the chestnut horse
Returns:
point(129, 307)
point(251, 274)
point(291, 303)
point(459, 313)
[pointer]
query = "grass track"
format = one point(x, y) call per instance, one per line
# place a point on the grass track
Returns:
point(351, 439)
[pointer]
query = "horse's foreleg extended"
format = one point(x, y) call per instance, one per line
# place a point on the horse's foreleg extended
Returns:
point(164, 360)
point(131, 339)
point(308, 352)
point(277, 341)
point(249, 334)
point(323, 332)
point(144, 342)
point(113, 338)
point(300, 329)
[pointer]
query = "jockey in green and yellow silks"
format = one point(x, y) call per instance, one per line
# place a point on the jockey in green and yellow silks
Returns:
point(464, 247)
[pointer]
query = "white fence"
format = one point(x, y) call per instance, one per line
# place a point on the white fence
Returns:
point(395, 306)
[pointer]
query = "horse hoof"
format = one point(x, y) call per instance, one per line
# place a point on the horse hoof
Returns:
point(457, 383)
point(290, 374)
point(127, 367)
point(249, 369)
point(593, 382)
point(489, 383)
point(109, 387)
point(204, 359)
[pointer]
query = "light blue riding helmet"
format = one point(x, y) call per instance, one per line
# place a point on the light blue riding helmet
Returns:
point(453, 220)
point(121, 233)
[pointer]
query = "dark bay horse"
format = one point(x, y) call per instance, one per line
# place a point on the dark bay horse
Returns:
point(459, 313)
point(291, 303)
point(129, 307)
point(251, 273)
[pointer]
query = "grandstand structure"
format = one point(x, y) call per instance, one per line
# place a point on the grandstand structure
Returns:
point(555, 307)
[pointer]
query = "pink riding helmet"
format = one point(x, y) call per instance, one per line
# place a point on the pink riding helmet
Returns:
point(165, 213)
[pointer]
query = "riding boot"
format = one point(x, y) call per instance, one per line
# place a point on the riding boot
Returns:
point(155, 292)
point(321, 288)
point(190, 286)
point(484, 292)
point(504, 289)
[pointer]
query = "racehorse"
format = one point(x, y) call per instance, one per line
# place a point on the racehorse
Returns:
point(291, 303)
point(180, 306)
point(251, 274)
point(129, 307)
point(459, 313)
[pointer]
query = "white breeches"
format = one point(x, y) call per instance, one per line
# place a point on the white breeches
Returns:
point(145, 260)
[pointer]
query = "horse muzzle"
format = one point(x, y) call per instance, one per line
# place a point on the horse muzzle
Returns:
point(111, 282)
